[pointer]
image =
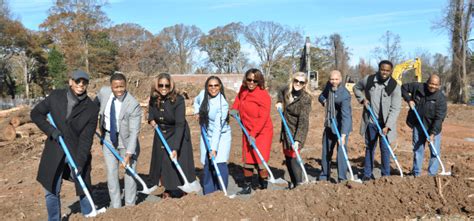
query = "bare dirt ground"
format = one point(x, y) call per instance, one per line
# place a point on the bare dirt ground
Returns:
point(22, 198)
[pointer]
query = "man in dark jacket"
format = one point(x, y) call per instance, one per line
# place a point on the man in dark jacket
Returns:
point(75, 116)
point(430, 104)
point(337, 100)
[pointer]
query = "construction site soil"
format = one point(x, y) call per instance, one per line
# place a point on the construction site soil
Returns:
point(393, 197)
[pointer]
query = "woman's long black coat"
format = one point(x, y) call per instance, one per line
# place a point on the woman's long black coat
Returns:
point(171, 119)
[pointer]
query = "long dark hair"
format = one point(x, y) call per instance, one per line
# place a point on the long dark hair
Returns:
point(204, 108)
point(155, 96)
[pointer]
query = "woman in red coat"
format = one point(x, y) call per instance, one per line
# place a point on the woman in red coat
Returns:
point(253, 103)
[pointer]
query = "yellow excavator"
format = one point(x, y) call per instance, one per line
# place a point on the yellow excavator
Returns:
point(401, 68)
point(397, 73)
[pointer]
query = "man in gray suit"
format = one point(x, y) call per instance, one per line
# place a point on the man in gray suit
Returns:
point(382, 93)
point(119, 120)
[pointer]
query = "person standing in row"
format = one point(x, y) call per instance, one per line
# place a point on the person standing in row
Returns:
point(295, 101)
point(167, 110)
point(337, 101)
point(253, 104)
point(120, 118)
point(212, 109)
point(430, 104)
point(382, 93)
point(75, 115)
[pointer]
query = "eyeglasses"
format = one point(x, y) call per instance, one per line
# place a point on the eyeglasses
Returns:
point(252, 80)
point(213, 85)
point(164, 85)
point(296, 81)
point(84, 81)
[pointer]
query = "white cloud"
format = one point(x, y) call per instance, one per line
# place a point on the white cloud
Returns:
point(383, 17)
point(29, 6)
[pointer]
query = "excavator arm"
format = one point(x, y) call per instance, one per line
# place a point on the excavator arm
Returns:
point(405, 66)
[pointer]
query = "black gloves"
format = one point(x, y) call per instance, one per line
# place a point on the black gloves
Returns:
point(55, 135)
point(234, 112)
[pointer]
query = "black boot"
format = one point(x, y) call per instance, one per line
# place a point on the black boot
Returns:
point(263, 183)
point(247, 187)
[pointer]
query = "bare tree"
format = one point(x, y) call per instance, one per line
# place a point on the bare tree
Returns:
point(441, 67)
point(457, 20)
point(391, 49)
point(181, 41)
point(72, 25)
point(339, 52)
point(271, 40)
point(130, 39)
point(222, 46)
point(363, 68)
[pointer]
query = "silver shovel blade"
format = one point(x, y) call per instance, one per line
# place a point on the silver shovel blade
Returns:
point(277, 181)
point(191, 187)
point(445, 173)
point(147, 190)
point(94, 213)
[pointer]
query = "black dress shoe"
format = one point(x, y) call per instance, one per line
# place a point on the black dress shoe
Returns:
point(366, 178)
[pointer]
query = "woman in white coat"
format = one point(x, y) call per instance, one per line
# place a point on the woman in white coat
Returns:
point(211, 107)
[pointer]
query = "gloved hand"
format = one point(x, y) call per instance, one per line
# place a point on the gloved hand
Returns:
point(55, 135)
point(279, 105)
point(296, 145)
point(234, 112)
point(252, 140)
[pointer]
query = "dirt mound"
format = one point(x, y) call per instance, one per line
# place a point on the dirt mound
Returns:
point(21, 197)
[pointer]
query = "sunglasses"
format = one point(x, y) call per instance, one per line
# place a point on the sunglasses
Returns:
point(84, 81)
point(213, 85)
point(164, 85)
point(296, 81)
point(252, 80)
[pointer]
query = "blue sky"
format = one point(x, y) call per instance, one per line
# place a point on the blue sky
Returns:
point(361, 23)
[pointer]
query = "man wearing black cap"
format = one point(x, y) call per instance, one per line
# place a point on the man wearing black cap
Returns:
point(75, 116)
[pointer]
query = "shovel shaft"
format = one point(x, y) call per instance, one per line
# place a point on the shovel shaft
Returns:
point(288, 132)
point(333, 122)
point(209, 150)
point(122, 161)
point(254, 146)
point(168, 149)
point(428, 139)
point(384, 138)
point(74, 166)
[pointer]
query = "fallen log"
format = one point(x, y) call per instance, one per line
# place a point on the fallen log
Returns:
point(26, 130)
point(21, 117)
point(7, 132)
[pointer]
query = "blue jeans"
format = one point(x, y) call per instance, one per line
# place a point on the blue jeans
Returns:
point(210, 181)
point(53, 201)
point(371, 137)
point(419, 140)
point(330, 140)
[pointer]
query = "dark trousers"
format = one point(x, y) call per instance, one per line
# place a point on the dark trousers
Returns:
point(371, 136)
point(330, 140)
point(53, 201)
point(210, 181)
point(294, 169)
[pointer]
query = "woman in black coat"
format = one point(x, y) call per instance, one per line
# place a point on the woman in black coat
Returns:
point(167, 110)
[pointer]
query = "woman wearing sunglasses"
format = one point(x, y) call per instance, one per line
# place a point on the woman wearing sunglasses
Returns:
point(167, 111)
point(212, 110)
point(295, 102)
point(253, 103)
